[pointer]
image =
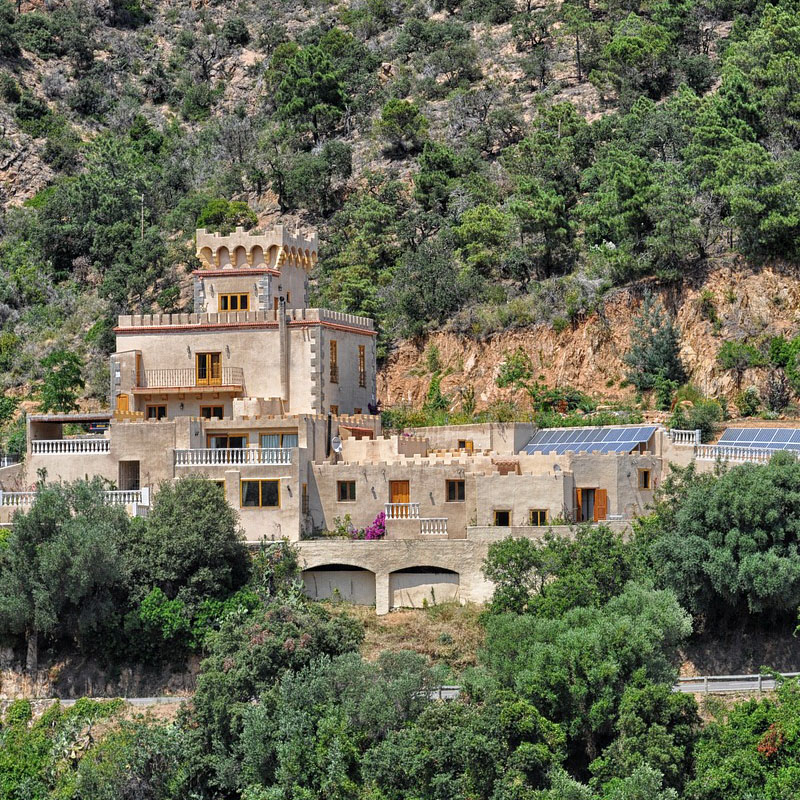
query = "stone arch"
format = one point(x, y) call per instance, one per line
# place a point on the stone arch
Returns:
point(223, 257)
point(239, 258)
point(342, 581)
point(205, 255)
point(414, 587)
point(257, 256)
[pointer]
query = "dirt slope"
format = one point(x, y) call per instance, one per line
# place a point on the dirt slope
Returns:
point(749, 304)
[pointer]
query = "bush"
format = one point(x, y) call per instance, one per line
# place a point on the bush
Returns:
point(223, 216)
point(748, 402)
point(234, 31)
point(703, 415)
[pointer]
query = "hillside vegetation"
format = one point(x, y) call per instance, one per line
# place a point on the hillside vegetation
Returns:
point(478, 166)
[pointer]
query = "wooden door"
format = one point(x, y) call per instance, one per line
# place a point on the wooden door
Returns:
point(600, 504)
point(209, 369)
point(399, 492)
point(122, 403)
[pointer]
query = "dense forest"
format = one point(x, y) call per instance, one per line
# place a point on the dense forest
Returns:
point(571, 697)
point(478, 165)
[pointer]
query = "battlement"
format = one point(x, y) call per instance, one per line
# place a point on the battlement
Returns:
point(275, 248)
point(298, 316)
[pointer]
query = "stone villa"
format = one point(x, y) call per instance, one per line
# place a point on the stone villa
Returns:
point(276, 402)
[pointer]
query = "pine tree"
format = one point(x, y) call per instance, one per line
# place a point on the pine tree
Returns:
point(655, 348)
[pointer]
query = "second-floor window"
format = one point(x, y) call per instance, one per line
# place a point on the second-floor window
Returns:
point(346, 491)
point(537, 517)
point(334, 361)
point(362, 365)
point(156, 412)
point(274, 441)
point(209, 412)
point(234, 302)
point(455, 491)
point(261, 494)
point(209, 369)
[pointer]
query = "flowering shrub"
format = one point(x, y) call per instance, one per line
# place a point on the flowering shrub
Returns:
point(378, 528)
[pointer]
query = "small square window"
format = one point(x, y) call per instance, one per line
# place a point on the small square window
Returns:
point(644, 479)
point(502, 519)
point(156, 412)
point(210, 412)
point(465, 444)
point(335, 411)
point(346, 491)
point(537, 517)
point(455, 491)
point(356, 410)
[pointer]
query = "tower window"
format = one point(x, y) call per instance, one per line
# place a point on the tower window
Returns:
point(234, 302)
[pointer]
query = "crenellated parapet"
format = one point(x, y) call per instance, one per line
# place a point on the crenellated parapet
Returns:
point(277, 248)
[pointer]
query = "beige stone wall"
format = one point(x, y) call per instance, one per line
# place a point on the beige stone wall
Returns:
point(520, 493)
point(427, 486)
point(501, 438)
point(346, 394)
point(383, 558)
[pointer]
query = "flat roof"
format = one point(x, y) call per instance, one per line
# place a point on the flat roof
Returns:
point(98, 416)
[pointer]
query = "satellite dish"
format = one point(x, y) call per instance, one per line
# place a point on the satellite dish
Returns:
point(336, 444)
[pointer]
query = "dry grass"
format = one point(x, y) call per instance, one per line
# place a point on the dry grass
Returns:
point(448, 634)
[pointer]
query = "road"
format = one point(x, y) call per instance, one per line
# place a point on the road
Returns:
point(711, 684)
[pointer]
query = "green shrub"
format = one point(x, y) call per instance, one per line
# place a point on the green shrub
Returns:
point(748, 402)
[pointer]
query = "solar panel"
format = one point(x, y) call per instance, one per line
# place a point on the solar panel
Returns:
point(762, 438)
point(610, 439)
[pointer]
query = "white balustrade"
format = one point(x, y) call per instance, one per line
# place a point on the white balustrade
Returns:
point(17, 499)
point(76, 445)
point(714, 452)
point(433, 526)
point(684, 437)
point(402, 511)
point(123, 497)
point(210, 457)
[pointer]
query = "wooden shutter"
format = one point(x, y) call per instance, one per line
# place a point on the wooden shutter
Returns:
point(578, 499)
point(600, 504)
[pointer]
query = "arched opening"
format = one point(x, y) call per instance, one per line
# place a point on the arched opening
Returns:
point(240, 257)
point(205, 256)
point(414, 587)
point(258, 256)
point(223, 257)
point(342, 582)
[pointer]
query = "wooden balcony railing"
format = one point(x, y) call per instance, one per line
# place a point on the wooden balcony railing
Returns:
point(188, 378)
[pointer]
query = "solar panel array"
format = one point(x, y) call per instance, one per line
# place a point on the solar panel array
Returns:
point(612, 439)
point(762, 438)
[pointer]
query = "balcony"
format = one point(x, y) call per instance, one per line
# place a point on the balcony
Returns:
point(402, 510)
point(225, 379)
point(225, 457)
point(79, 445)
point(125, 497)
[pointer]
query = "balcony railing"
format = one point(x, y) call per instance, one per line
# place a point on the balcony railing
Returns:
point(80, 445)
point(122, 497)
point(684, 437)
point(209, 457)
point(402, 511)
point(712, 452)
point(433, 526)
point(188, 378)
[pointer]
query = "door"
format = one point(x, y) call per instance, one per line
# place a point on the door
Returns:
point(600, 504)
point(122, 403)
point(585, 504)
point(399, 492)
point(129, 475)
point(209, 369)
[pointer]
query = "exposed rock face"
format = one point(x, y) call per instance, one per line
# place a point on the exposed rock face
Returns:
point(751, 304)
